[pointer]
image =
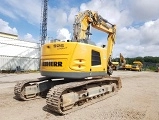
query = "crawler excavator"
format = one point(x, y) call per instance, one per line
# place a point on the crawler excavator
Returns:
point(76, 72)
point(123, 64)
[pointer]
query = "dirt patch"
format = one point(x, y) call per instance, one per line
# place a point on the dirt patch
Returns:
point(137, 100)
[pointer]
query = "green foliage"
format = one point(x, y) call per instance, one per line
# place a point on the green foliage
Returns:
point(151, 59)
point(141, 59)
point(151, 68)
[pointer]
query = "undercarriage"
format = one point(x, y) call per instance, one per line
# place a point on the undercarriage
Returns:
point(64, 96)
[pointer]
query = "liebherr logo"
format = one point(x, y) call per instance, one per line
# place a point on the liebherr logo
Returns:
point(52, 63)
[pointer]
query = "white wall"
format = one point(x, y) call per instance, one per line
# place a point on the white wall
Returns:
point(18, 53)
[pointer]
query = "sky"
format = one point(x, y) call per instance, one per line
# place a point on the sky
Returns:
point(137, 22)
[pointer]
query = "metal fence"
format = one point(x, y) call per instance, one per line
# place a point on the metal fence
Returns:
point(14, 62)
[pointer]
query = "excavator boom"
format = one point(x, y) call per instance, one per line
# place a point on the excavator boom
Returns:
point(123, 64)
point(83, 22)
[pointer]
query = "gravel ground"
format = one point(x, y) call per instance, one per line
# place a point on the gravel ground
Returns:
point(137, 100)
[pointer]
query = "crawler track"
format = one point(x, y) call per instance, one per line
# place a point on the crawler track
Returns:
point(34, 88)
point(54, 100)
point(18, 90)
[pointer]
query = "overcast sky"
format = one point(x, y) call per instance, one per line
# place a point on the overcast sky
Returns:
point(137, 22)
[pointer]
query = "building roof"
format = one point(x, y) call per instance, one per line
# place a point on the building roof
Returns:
point(3, 34)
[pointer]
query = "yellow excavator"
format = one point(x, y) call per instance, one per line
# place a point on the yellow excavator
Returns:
point(115, 65)
point(76, 72)
point(137, 66)
point(123, 64)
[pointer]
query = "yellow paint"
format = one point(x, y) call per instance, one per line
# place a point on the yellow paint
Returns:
point(74, 56)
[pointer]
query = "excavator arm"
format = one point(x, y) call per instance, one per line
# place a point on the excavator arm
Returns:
point(83, 22)
point(122, 60)
point(123, 63)
point(82, 26)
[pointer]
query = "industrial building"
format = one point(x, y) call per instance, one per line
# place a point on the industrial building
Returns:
point(17, 54)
